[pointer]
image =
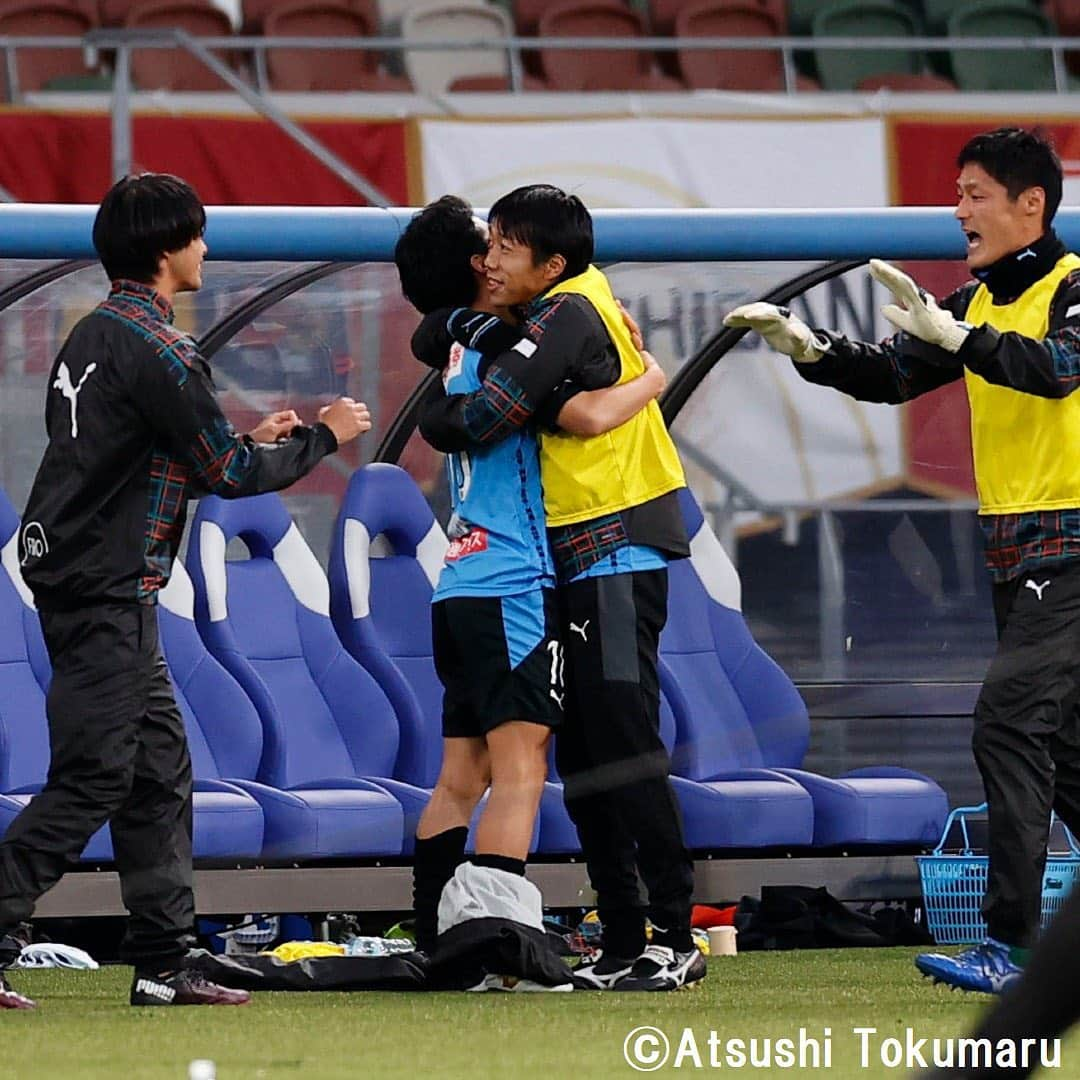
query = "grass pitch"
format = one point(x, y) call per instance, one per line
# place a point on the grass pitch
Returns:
point(83, 1027)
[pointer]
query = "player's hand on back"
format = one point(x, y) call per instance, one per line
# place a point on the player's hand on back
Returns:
point(632, 326)
point(654, 373)
point(346, 418)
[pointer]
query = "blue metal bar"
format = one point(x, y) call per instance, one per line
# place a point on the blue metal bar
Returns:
point(368, 234)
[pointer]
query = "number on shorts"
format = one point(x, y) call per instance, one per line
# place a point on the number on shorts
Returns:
point(554, 646)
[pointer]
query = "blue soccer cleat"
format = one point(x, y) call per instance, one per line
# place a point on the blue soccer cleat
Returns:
point(986, 968)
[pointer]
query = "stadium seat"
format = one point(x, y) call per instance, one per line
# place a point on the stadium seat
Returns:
point(801, 14)
point(177, 69)
point(527, 15)
point(324, 69)
point(1065, 15)
point(906, 83)
point(595, 69)
point(842, 69)
point(719, 69)
point(736, 709)
point(937, 13)
point(228, 824)
point(24, 679)
point(432, 72)
point(381, 609)
point(391, 12)
point(1001, 69)
point(256, 11)
point(664, 14)
point(37, 68)
point(329, 734)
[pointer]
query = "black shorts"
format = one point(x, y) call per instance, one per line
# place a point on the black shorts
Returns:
point(499, 659)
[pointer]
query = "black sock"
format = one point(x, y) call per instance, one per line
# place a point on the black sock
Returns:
point(679, 940)
point(500, 862)
point(623, 933)
point(434, 862)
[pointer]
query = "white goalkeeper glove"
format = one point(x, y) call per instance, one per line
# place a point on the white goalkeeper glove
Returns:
point(920, 315)
point(782, 331)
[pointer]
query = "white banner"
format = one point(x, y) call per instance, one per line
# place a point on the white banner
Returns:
point(662, 163)
point(753, 422)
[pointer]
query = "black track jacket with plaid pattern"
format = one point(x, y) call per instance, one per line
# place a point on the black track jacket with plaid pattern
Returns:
point(902, 368)
point(134, 430)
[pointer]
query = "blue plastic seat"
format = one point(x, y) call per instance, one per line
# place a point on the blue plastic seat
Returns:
point(330, 736)
point(738, 714)
point(224, 735)
point(24, 679)
point(381, 609)
point(228, 823)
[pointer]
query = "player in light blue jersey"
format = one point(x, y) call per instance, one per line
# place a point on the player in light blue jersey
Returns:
point(494, 636)
point(498, 539)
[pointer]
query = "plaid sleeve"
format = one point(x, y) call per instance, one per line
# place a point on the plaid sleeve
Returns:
point(178, 400)
point(498, 409)
point(898, 369)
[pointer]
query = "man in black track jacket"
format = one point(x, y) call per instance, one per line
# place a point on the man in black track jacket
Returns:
point(1013, 336)
point(134, 431)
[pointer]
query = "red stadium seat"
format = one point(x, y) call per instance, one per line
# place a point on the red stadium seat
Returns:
point(598, 69)
point(1065, 15)
point(527, 14)
point(256, 11)
point(176, 69)
point(324, 69)
point(663, 14)
point(36, 68)
point(730, 69)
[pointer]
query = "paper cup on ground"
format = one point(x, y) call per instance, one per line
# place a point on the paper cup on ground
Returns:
point(722, 941)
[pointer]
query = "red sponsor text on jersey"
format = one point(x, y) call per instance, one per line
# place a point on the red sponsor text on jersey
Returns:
point(469, 544)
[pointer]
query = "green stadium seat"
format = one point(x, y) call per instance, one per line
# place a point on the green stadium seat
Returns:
point(994, 69)
point(844, 70)
point(937, 13)
point(801, 14)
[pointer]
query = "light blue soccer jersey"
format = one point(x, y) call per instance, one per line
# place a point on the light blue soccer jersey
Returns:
point(498, 538)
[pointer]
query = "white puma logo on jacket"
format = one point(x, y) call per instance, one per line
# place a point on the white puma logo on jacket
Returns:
point(63, 383)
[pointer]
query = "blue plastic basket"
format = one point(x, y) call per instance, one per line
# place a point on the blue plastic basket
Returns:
point(953, 884)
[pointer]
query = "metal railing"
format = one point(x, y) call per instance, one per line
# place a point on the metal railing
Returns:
point(121, 43)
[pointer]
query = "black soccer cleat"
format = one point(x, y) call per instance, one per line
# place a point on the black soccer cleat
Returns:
point(602, 973)
point(661, 968)
point(183, 987)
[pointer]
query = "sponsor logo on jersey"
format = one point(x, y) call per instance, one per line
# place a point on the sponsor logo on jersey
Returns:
point(33, 541)
point(457, 357)
point(469, 544)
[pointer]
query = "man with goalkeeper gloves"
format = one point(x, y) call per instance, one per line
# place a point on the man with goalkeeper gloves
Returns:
point(1013, 336)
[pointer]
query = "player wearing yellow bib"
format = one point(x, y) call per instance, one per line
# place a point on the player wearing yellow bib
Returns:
point(1013, 336)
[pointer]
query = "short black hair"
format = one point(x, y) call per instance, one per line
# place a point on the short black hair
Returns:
point(549, 222)
point(142, 218)
point(433, 255)
point(1018, 159)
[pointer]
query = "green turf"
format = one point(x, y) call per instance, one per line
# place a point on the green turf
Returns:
point(83, 1027)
